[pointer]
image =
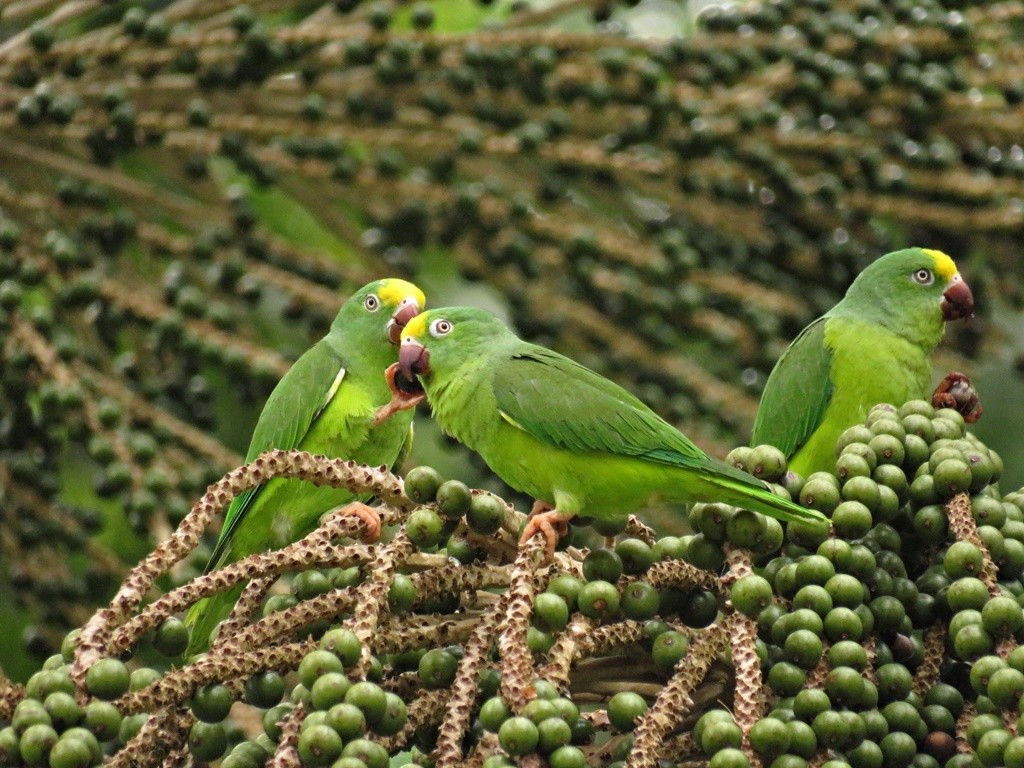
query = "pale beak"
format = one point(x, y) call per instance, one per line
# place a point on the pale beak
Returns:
point(406, 311)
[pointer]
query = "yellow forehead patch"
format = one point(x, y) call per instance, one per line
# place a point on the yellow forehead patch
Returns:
point(416, 327)
point(393, 290)
point(944, 266)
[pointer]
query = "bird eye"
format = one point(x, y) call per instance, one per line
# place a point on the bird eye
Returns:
point(371, 303)
point(440, 327)
point(924, 277)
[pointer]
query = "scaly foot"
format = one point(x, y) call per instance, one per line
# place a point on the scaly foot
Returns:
point(369, 517)
point(404, 395)
point(549, 521)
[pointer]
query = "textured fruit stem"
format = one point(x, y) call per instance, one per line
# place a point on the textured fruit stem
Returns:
point(675, 701)
point(680, 746)
point(179, 758)
point(298, 464)
point(516, 661)
point(678, 573)
point(179, 684)
point(464, 688)
point(609, 637)
point(487, 745)
point(453, 579)
point(738, 561)
point(816, 677)
point(287, 753)
point(10, 694)
point(250, 599)
point(961, 522)
point(1005, 647)
point(161, 735)
point(281, 624)
point(966, 718)
point(316, 550)
point(425, 710)
point(636, 528)
point(372, 595)
point(409, 633)
point(565, 651)
point(749, 700)
point(928, 673)
point(869, 643)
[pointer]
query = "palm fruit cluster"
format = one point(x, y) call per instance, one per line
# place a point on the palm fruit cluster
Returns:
point(890, 636)
point(187, 190)
point(880, 636)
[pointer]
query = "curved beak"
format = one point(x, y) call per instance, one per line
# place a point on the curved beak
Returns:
point(406, 311)
point(413, 359)
point(957, 299)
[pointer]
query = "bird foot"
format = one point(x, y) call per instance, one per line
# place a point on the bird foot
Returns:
point(548, 521)
point(956, 391)
point(404, 395)
point(369, 517)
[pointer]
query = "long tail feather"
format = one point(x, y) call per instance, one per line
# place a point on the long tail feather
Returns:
point(743, 494)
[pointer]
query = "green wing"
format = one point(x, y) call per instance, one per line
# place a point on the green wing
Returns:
point(559, 402)
point(563, 404)
point(798, 392)
point(292, 408)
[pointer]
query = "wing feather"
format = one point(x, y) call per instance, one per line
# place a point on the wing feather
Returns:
point(291, 410)
point(564, 404)
point(797, 393)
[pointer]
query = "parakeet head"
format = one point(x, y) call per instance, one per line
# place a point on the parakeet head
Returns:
point(441, 340)
point(910, 288)
point(387, 304)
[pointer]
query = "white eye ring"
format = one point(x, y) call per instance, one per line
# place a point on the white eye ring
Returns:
point(371, 303)
point(440, 327)
point(924, 277)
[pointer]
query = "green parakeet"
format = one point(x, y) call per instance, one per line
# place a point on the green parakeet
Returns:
point(872, 347)
point(570, 438)
point(325, 404)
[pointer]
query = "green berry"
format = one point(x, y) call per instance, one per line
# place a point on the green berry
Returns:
point(211, 703)
point(602, 565)
point(453, 499)
point(348, 720)
point(370, 698)
point(317, 663)
point(518, 736)
point(343, 643)
point(598, 600)
point(319, 745)
point(171, 637)
point(107, 679)
point(624, 708)
point(437, 668)
point(486, 513)
point(207, 741)
point(424, 528)
point(422, 484)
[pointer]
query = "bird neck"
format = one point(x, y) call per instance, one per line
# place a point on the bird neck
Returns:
point(457, 400)
point(923, 329)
